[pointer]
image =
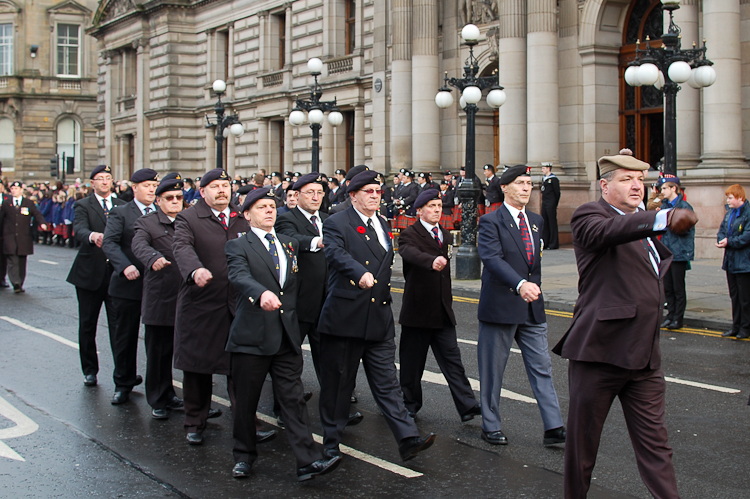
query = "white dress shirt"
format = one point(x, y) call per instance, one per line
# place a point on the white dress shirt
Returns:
point(314, 243)
point(382, 237)
point(279, 250)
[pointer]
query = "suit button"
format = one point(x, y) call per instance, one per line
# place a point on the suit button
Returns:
point(389, 284)
point(384, 303)
point(367, 262)
point(373, 300)
point(376, 281)
point(352, 282)
point(281, 311)
point(281, 293)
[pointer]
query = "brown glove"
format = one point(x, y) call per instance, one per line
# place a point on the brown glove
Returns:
point(681, 220)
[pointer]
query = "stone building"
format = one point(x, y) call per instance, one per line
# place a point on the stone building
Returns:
point(48, 87)
point(561, 63)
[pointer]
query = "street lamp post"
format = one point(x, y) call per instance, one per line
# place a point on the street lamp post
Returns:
point(666, 67)
point(471, 86)
point(224, 124)
point(315, 111)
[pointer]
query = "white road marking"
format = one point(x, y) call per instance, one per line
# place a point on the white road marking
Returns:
point(49, 262)
point(701, 385)
point(375, 461)
point(472, 342)
point(24, 426)
point(33, 329)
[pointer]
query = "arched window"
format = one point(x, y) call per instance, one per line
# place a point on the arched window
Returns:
point(642, 108)
point(69, 144)
point(7, 143)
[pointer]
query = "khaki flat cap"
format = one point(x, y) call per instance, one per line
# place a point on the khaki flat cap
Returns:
point(611, 163)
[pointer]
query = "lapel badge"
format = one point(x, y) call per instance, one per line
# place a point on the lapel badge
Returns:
point(367, 237)
point(534, 228)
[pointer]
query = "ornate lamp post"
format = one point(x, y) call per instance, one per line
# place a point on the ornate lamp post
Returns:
point(224, 124)
point(315, 109)
point(471, 86)
point(666, 67)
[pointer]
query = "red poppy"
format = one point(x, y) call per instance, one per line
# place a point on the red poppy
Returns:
point(361, 229)
point(390, 235)
point(233, 214)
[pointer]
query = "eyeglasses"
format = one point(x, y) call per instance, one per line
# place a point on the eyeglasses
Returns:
point(103, 179)
point(172, 197)
point(372, 191)
point(311, 193)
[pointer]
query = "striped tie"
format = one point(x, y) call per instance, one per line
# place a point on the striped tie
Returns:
point(274, 254)
point(526, 238)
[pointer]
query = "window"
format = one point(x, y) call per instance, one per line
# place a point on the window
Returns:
point(6, 49)
point(69, 144)
point(349, 121)
point(282, 40)
point(68, 49)
point(7, 143)
point(350, 25)
point(277, 41)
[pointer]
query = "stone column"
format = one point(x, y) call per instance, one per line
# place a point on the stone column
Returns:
point(688, 98)
point(230, 61)
point(401, 88)
point(425, 115)
point(288, 35)
point(359, 134)
point(230, 144)
point(263, 145)
point(327, 160)
point(263, 64)
point(722, 102)
point(210, 149)
point(379, 119)
point(512, 64)
point(141, 123)
point(288, 145)
point(543, 137)
point(108, 103)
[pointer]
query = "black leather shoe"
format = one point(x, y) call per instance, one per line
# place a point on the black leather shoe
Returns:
point(319, 467)
point(469, 415)
point(410, 447)
point(194, 438)
point(138, 380)
point(120, 398)
point(554, 436)
point(354, 399)
point(412, 415)
point(262, 437)
point(17, 289)
point(4, 284)
point(731, 332)
point(743, 334)
point(176, 404)
point(159, 414)
point(307, 396)
point(280, 422)
point(666, 323)
point(332, 452)
point(494, 437)
point(674, 325)
point(214, 413)
point(355, 419)
point(241, 470)
point(89, 380)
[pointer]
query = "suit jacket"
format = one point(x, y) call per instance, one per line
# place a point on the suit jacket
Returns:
point(550, 191)
point(313, 267)
point(204, 315)
point(154, 234)
point(348, 309)
point(427, 292)
point(118, 237)
point(5, 199)
point(408, 195)
point(503, 255)
point(620, 296)
point(90, 267)
point(448, 198)
point(252, 272)
point(17, 226)
point(494, 193)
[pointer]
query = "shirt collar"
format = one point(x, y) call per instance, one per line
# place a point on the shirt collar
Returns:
point(514, 211)
point(225, 212)
point(428, 226)
point(100, 199)
point(142, 206)
point(308, 214)
point(262, 233)
point(364, 217)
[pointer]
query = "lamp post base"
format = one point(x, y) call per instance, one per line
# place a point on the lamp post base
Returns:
point(467, 262)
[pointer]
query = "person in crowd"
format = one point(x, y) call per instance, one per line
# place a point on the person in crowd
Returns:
point(493, 193)
point(292, 196)
point(356, 322)
point(4, 198)
point(550, 199)
point(58, 222)
point(347, 203)
point(45, 207)
point(68, 216)
point(511, 306)
point(682, 247)
point(427, 319)
point(734, 238)
point(407, 194)
point(447, 197)
point(278, 189)
point(613, 341)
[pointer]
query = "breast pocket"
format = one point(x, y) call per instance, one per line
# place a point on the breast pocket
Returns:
point(616, 313)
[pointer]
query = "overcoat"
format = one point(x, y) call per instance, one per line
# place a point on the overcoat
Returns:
point(737, 252)
point(118, 238)
point(620, 296)
point(154, 234)
point(426, 289)
point(17, 226)
point(204, 315)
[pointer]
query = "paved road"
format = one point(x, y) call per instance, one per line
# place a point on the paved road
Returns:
point(61, 439)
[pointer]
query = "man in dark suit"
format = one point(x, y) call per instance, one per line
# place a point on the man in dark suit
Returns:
point(613, 341)
point(550, 199)
point(4, 198)
point(152, 245)
point(18, 243)
point(265, 338)
point(356, 322)
point(511, 307)
point(278, 188)
point(347, 203)
point(427, 318)
point(407, 194)
point(91, 272)
point(493, 191)
point(340, 196)
point(126, 283)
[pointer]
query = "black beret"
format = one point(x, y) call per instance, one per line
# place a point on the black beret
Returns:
point(425, 197)
point(407, 173)
point(488, 167)
point(447, 172)
point(100, 169)
point(171, 184)
point(171, 176)
point(354, 171)
point(403, 170)
point(15, 183)
point(446, 182)
point(215, 174)
point(297, 175)
point(513, 173)
point(144, 175)
point(423, 175)
point(245, 189)
point(340, 172)
point(362, 179)
point(309, 178)
point(275, 174)
point(288, 174)
point(287, 179)
point(256, 195)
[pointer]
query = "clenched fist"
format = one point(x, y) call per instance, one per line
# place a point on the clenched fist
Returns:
point(681, 220)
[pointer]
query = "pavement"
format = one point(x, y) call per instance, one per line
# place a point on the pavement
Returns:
point(708, 304)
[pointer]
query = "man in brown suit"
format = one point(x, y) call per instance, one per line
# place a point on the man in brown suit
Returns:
point(613, 341)
point(427, 318)
point(17, 212)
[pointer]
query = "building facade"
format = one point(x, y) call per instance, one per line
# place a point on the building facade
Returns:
point(561, 63)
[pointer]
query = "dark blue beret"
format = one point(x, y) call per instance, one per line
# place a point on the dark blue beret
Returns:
point(668, 177)
point(255, 196)
point(246, 188)
point(354, 171)
point(170, 184)
point(425, 197)
point(144, 175)
point(275, 174)
point(340, 172)
point(309, 178)
point(15, 183)
point(172, 175)
point(362, 179)
point(489, 167)
point(513, 173)
point(215, 174)
point(100, 169)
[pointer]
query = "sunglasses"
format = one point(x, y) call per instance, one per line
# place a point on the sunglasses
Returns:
point(172, 197)
point(373, 191)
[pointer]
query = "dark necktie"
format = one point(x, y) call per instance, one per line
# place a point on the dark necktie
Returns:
point(105, 208)
point(223, 220)
point(437, 236)
point(526, 237)
point(274, 254)
point(374, 237)
point(652, 252)
point(18, 203)
point(147, 210)
point(313, 221)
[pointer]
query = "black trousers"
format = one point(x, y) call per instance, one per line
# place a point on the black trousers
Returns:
point(739, 292)
point(285, 368)
point(310, 330)
point(415, 342)
point(340, 358)
point(89, 306)
point(3, 263)
point(125, 342)
point(16, 269)
point(549, 232)
point(674, 289)
point(197, 389)
point(159, 348)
